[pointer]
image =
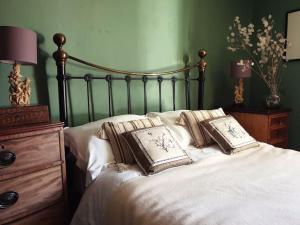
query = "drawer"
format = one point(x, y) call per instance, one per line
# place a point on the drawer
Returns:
point(279, 121)
point(279, 142)
point(36, 191)
point(30, 152)
point(283, 144)
point(279, 133)
point(54, 215)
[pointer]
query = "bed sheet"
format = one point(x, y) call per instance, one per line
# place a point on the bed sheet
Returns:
point(257, 186)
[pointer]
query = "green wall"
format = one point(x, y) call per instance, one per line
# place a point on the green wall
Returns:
point(133, 35)
point(290, 93)
point(143, 35)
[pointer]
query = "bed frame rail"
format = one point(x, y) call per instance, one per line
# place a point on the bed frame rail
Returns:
point(61, 58)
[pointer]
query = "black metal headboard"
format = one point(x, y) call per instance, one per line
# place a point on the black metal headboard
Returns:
point(61, 58)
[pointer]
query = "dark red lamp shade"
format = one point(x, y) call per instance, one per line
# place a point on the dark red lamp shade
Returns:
point(241, 69)
point(17, 45)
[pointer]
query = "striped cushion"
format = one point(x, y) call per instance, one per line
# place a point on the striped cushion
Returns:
point(192, 120)
point(114, 131)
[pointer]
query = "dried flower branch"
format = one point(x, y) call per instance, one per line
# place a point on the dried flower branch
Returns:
point(268, 53)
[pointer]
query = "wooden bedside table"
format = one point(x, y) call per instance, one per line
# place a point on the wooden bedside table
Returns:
point(32, 175)
point(270, 126)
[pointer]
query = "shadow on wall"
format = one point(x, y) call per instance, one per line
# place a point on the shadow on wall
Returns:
point(40, 73)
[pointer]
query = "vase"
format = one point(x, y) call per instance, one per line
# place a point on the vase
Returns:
point(273, 101)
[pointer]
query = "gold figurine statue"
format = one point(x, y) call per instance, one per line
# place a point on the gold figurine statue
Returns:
point(19, 90)
point(238, 92)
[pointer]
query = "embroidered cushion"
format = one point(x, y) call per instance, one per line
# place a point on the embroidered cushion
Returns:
point(192, 120)
point(229, 134)
point(155, 149)
point(113, 132)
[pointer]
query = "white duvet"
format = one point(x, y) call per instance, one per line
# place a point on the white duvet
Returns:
point(259, 186)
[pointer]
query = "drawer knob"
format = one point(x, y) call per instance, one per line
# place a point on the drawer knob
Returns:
point(7, 158)
point(8, 199)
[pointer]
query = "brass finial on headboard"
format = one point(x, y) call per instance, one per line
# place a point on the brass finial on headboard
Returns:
point(59, 39)
point(60, 55)
point(202, 64)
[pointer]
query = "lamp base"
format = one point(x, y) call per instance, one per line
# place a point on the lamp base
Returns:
point(19, 90)
point(238, 92)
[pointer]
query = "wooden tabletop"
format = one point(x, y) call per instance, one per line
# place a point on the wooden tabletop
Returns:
point(257, 110)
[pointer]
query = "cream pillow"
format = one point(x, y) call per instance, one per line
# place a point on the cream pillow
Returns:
point(192, 119)
point(113, 132)
point(229, 134)
point(171, 118)
point(155, 149)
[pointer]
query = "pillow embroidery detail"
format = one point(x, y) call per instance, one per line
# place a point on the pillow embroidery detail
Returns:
point(162, 141)
point(234, 131)
point(229, 134)
point(156, 141)
point(155, 149)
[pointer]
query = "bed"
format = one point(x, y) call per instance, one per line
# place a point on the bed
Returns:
point(258, 185)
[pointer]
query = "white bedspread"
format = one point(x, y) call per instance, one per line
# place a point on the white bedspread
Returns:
point(260, 186)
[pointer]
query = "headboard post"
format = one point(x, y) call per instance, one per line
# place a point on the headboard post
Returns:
point(60, 57)
point(201, 67)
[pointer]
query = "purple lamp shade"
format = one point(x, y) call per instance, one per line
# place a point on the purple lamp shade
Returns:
point(241, 69)
point(17, 45)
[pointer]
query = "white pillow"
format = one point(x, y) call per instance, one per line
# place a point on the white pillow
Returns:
point(98, 156)
point(170, 118)
point(92, 153)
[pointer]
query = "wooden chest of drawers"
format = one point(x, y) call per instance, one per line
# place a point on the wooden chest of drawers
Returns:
point(32, 175)
point(269, 126)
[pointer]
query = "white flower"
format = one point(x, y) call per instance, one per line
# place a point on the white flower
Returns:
point(231, 49)
point(263, 41)
point(265, 22)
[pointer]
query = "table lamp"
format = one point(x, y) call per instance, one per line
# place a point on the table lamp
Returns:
point(239, 70)
point(18, 46)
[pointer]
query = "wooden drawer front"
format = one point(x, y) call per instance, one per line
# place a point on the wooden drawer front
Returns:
point(36, 191)
point(53, 215)
point(279, 137)
point(283, 144)
point(279, 121)
point(279, 134)
point(34, 151)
